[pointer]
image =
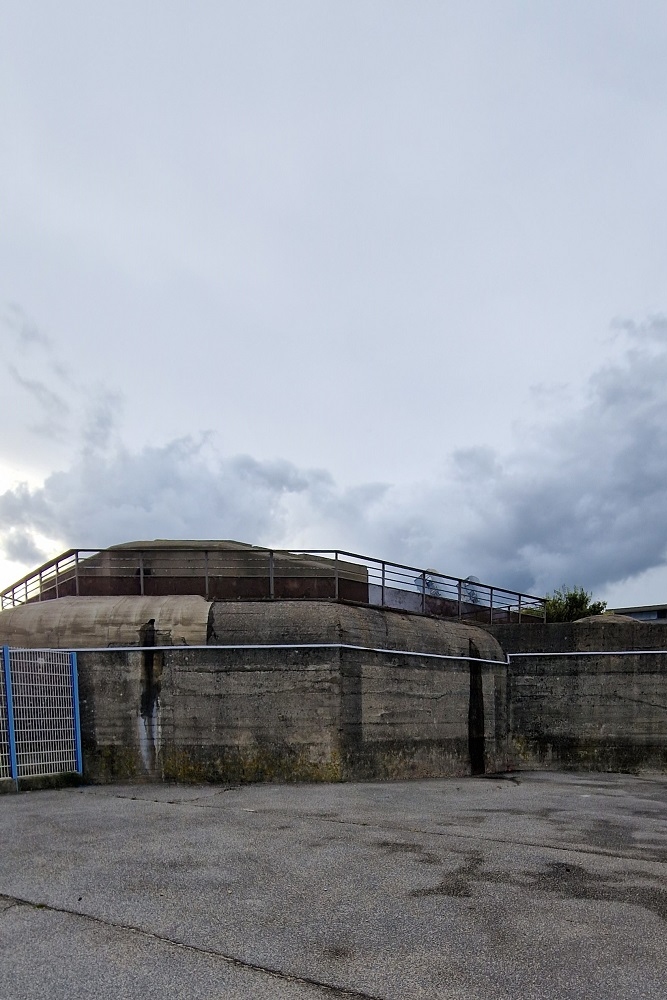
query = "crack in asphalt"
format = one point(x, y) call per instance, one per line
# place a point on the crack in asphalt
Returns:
point(206, 802)
point(232, 960)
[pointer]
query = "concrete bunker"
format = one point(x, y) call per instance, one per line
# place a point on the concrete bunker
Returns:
point(181, 688)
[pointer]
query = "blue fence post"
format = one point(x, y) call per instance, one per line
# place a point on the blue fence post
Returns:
point(11, 732)
point(75, 709)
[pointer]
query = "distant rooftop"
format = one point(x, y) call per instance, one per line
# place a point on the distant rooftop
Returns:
point(643, 613)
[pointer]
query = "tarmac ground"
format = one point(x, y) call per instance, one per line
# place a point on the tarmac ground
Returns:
point(531, 886)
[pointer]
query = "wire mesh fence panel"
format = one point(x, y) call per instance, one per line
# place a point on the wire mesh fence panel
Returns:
point(5, 760)
point(44, 709)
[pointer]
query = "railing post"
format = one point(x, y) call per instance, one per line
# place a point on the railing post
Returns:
point(76, 573)
point(336, 576)
point(384, 576)
point(40, 586)
point(272, 579)
point(57, 594)
point(490, 605)
point(11, 730)
point(423, 591)
point(75, 709)
point(458, 592)
point(141, 573)
point(206, 574)
point(519, 609)
point(25, 592)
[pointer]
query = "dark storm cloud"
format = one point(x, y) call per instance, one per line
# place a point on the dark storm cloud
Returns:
point(580, 499)
point(583, 500)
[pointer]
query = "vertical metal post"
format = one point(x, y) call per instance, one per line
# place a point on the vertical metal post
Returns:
point(519, 609)
point(76, 573)
point(458, 591)
point(491, 605)
point(336, 576)
point(206, 574)
point(384, 574)
point(57, 594)
point(141, 573)
point(75, 709)
point(40, 586)
point(423, 592)
point(272, 579)
point(25, 591)
point(11, 731)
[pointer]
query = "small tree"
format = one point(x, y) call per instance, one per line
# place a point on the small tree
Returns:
point(566, 604)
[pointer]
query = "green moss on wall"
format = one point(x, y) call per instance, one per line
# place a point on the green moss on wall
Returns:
point(110, 763)
point(241, 765)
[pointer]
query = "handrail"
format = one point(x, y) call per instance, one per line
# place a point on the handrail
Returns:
point(395, 582)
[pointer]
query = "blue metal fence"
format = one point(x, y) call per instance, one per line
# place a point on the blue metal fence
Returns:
point(40, 730)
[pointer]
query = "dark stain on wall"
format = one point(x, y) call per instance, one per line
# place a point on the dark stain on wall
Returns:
point(476, 714)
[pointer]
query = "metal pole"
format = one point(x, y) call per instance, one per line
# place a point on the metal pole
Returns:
point(206, 573)
point(141, 574)
point(519, 609)
point(336, 576)
point(458, 589)
point(75, 708)
point(40, 586)
point(76, 573)
point(423, 592)
point(384, 574)
point(272, 581)
point(490, 605)
point(11, 731)
point(57, 595)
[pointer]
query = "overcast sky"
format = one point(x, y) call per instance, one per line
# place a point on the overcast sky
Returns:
point(374, 275)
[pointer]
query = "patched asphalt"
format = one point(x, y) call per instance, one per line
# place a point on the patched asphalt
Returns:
point(532, 885)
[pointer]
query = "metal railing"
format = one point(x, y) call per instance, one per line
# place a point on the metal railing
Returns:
point(253, 573)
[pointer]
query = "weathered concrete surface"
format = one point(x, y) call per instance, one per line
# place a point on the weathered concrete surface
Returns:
point(603, 712)
point(296, 714)
point(601, 632)
point(75, 622)
point(322, 621)
point(249, 715)
point(462, 889)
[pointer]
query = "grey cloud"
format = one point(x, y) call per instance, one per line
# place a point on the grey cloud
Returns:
point(26, 332)
point(50, 408)
point(100, 418)
point(19, 546)
point(172, 491)
point(50, 401)
point(578, 500)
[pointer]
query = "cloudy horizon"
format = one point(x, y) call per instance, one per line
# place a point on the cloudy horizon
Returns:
point(345, 275)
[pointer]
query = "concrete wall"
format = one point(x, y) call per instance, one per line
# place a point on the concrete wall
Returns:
point(295, 714)
point(596, 712)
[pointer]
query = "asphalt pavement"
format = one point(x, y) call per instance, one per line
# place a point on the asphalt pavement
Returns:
point(528, 886)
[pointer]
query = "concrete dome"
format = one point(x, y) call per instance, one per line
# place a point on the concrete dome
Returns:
point(275, 622)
